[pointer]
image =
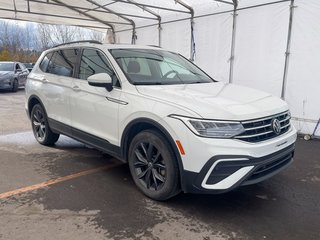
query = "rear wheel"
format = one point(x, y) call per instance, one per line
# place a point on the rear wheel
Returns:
point(15, 85)
point(40, 126)
point(153, 165)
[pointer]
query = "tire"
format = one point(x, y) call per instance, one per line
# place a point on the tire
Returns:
point(40, 127)
point(15, 85)
point(153, 165)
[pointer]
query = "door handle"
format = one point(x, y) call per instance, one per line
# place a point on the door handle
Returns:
point(76, 88)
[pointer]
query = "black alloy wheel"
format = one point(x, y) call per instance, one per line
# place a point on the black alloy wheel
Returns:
point(15, 85)
point(153, 165)
point(40, 127)
point(149, 166)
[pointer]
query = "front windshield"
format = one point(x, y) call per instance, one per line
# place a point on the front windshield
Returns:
point(6, 66)
point(152, 67)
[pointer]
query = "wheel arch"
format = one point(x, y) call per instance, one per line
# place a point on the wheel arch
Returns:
point(140, 124)
point(32, 101)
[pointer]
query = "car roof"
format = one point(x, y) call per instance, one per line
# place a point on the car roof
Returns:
point(105, 45)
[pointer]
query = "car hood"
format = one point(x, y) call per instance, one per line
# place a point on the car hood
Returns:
point(217, 100)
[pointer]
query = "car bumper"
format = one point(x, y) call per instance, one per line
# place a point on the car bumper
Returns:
point(226, 172)
point(5, 84)
point(212, 165)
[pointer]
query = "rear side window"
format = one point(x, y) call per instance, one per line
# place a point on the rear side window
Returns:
point(93, 62)
point(63, 62)
point(45, 62)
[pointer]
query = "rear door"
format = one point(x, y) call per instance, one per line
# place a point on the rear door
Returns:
point(94, 110)
point(59, 68)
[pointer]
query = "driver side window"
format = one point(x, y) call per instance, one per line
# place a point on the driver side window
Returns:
point(17, 67)
point(92, 62)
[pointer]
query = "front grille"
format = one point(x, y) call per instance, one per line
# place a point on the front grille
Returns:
point(270, 167)
point(260, 129)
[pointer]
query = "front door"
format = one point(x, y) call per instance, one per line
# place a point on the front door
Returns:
point(94, 110)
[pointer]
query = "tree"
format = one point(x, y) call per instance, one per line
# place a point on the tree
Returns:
point(10, 37)
point(5, 55)
point(50, 35)
point(95, 35)
point(44, 36)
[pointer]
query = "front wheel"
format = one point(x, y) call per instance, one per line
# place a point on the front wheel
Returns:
point(153, 165)
point(40, 127)
point(15, 85)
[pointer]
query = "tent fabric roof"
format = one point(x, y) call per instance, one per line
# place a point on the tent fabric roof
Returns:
point(100, 15)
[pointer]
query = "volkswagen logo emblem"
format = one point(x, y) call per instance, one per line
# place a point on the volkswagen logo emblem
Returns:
point(276, 127)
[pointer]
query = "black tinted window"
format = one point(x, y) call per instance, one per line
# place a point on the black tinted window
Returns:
point(45, 62)
point(93, 62)
point(63, 62)
point(18, 66)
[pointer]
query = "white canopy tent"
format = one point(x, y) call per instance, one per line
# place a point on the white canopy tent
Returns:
point(272, 45)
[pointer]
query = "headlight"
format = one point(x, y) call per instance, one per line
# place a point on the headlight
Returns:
point(212, 128)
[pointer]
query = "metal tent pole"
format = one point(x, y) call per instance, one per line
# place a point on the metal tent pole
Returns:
point(87, 15)
point(158, 17)
point(233, 39)
point(134, 36)
point(191, 12)
point(287, 53)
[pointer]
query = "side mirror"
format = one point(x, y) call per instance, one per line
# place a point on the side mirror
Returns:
point(101, 80)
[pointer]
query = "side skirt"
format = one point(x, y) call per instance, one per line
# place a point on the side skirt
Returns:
point(86, 138)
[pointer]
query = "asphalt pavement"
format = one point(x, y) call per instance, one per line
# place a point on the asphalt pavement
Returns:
point(70, 191)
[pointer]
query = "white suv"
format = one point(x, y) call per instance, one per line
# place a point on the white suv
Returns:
point(178, 129)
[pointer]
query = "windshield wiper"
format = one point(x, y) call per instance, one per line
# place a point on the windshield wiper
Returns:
point(148, 83)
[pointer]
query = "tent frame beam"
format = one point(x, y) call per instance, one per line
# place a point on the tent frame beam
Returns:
point(55, 15)
point(86, 10)
point(153, 6)
point(133, 39)
point(87, 15)
point(152, 13)
point(76, 25)
point(97, 8)
point(226, 2)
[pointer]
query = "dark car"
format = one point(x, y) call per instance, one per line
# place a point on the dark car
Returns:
point(12, 75)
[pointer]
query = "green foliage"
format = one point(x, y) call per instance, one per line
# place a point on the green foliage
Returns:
point(5, 55)
point(27, 56)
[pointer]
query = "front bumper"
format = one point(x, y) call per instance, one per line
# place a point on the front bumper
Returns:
point(200, 166)
point(225, 172)
point(5, 83)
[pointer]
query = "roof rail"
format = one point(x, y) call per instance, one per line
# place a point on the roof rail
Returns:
point(82, 41)
point(154, 46)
